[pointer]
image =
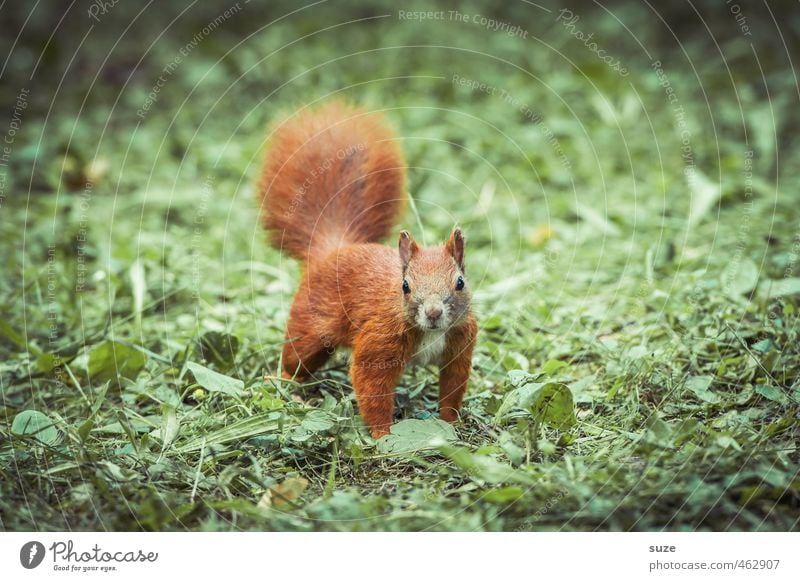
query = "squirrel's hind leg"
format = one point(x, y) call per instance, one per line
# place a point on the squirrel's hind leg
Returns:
point(302, 356)
point(309, 340)
point(306, 349)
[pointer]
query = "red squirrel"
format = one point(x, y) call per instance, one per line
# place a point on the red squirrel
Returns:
point(332, 187)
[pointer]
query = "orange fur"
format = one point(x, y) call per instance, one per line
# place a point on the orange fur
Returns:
point(332, 186)
point(332, 176)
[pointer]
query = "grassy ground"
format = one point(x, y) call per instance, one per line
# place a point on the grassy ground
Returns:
point(633, 239)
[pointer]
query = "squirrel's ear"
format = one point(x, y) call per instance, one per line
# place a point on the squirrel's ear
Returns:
point(408, 248)
point(455, 247)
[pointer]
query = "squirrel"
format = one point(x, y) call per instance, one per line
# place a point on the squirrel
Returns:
point(332, 187)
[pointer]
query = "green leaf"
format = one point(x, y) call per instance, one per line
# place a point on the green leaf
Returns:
point(493, 322)
point(596, 220)
point(99, 398)
point(46, 362)
point(763, 346)
point(84, 429)
point(787, 422)
point(637, 352)
point(514, 452)
point(779, 288)
point(235, 432)
point(485, 468)
point(740, 277)
point(520, 380)
point(117, 473)
point(699, 386)
point(218, 348)
point(519, 377)
point(138, 289)
point(215, 382)
point(659, 428)
point(170, 424)
point(514, 360)
point(551, 404)
point(9, 333)
point(111, 360)
point(269, 404)
point(317, 421)
point(704, 194)
point(771, 393)
point(36, 424)
point(504, 494)
point(546, 447)
point(414, 435)
point(552, 366)
point(356, 454)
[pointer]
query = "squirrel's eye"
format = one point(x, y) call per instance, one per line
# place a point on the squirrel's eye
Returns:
point(406, 288)
point(460, 283)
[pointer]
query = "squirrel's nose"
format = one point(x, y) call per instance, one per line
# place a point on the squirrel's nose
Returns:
point(433, 313)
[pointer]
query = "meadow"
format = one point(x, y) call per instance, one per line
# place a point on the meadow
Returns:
point(627, 183)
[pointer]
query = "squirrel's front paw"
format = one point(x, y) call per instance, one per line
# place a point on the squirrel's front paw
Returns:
point(449, 415)
point(379, 433)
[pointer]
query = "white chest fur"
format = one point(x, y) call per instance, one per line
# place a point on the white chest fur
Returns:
point(430, 348)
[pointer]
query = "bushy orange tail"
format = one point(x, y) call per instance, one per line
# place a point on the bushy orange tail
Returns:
point(332, 176)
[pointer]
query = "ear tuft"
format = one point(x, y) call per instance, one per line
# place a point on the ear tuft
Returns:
point(455, 247)
point(408, 248)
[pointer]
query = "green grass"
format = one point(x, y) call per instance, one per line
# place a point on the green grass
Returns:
point(638, 353)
